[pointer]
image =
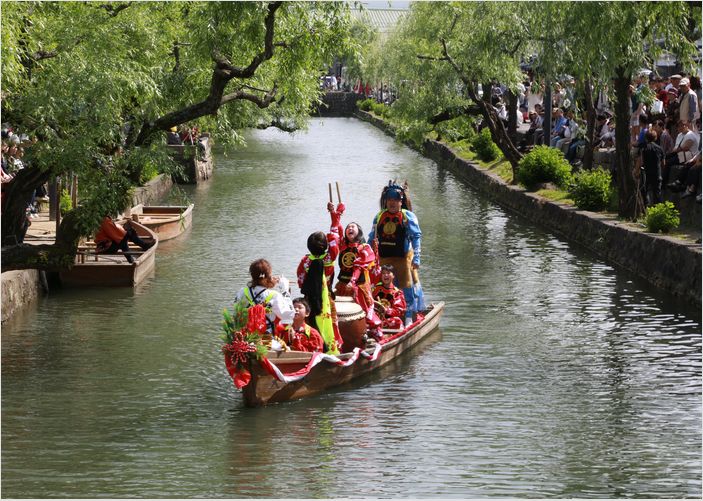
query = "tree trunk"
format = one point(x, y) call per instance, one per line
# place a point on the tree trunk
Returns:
point(512, 115)
point(20, 256)
point(630, 204)
point(56, 257)
point(590, 123)
point(18, 194)
point(498, 132)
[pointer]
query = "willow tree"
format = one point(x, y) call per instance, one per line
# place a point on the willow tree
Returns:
point(97, 84)
point(616, 40)
point(448, 49)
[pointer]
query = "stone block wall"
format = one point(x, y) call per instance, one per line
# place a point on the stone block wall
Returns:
point(19, 288)
point(338, 104)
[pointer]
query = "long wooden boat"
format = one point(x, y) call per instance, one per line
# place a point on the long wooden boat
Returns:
point(167, 221)
point(112, 270)
point(266, 388)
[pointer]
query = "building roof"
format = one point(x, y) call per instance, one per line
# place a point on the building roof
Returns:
point(382, 20)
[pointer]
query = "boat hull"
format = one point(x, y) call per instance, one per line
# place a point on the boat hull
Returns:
point(112, 270)
point(166, 222)
point(264, 389)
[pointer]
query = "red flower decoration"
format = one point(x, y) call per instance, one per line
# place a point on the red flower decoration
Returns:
point(236, 356)
point(242, 378)
point(257, 319)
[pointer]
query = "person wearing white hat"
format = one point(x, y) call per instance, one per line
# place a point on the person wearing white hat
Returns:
point(689, 107)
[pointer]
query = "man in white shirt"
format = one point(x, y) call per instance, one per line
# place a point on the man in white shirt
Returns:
point(689, 107)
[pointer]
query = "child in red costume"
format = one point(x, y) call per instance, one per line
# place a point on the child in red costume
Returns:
point(300, 336)
point(390, 298)
point(315, 274)
point(356, 262)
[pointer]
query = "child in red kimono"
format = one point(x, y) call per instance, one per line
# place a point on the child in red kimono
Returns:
point(356, 262)
point(315, 274)
point(300, 336)
point(390, 298)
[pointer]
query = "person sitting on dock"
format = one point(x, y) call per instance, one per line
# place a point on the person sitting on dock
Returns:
point(315, 273)
point(172, 137)
point(390, 299)
point(261, 290)
point(398, 232)
point(356, 262)
point(299, 335)
point(112, 237)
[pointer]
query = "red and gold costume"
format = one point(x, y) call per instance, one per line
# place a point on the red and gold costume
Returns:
point(393, 301)
point(356, 261)
point(304, 338)
point(327, 260)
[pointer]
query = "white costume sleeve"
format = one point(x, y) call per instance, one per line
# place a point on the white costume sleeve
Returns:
point(282, 307)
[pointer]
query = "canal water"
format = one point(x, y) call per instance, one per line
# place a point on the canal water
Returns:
point(552, 375)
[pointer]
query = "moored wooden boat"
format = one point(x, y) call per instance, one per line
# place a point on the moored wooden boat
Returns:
point(112, 270)
point(265, 388)
point(167, 221)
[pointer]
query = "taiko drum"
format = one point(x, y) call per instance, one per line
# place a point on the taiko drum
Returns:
point(352, 323)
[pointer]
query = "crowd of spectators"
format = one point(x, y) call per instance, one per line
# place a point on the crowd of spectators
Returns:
point(665, 112)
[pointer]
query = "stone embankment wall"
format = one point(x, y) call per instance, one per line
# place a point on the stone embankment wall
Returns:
point(668, 263)
point(337, 104)
point(196, 160)
point(19, 288)
point(154, 190)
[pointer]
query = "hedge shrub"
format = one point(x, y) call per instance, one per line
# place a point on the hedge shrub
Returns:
point(662, 217)
point(65, 202)
point(365, 104)
point(482, 144)
point(591, 190)
point(544, 165)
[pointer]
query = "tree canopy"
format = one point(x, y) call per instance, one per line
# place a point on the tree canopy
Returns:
point(442, 51)
point(98, 83)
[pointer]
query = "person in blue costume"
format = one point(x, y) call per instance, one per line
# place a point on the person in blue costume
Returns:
point(396, 234)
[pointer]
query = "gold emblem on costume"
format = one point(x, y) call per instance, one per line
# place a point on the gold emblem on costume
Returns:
point(384, 302)
point(348, 259)
point(389, 228)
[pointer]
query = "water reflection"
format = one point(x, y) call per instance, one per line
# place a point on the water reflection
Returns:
point(554, 374)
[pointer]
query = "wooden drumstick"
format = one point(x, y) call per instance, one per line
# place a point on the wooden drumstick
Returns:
point(339, 196)
point(329, 185)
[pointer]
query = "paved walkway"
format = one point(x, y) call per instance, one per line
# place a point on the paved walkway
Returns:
point(42, 231)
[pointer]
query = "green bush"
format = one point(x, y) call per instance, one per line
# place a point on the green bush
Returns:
point(482, 144)
point(365, 104)
point(149, 172)
point(544, 165)
point(456, 129)
point(662, 217)
point(65, 202)
point(380, 109)
point(591, 190)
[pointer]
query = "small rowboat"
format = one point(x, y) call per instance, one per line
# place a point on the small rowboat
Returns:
point(167, 221)
point(112, 270)
point(283, 376)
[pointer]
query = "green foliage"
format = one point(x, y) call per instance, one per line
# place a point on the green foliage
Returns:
point(544, 165)
point(381, 110)
point(65, 202)
point(365, 104)
point(484, 147)
point(83, 77)
point(591, 190)
point(662, 217)
point(148, 172)
point(457, 129)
